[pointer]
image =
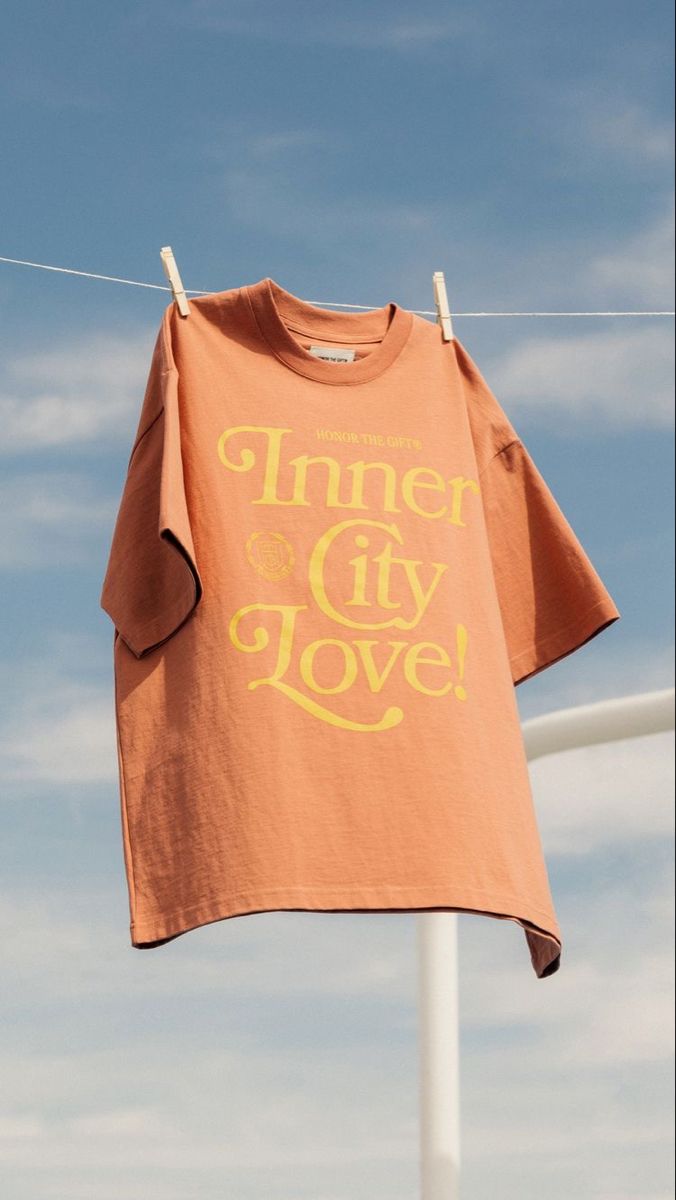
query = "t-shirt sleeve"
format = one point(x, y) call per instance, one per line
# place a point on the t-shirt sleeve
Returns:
point(152, 582)
point(552, 600)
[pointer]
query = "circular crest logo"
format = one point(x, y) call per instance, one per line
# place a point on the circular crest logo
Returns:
point(270, 554)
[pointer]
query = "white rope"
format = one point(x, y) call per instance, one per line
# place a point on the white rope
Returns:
point(336, 303)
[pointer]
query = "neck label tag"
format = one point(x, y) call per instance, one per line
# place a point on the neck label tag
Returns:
point(333, 353)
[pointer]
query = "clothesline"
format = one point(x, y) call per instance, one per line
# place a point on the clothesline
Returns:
point(336, 303)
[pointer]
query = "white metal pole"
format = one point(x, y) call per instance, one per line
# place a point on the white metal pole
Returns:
point(439, 1056)
point(607, 721)
point(585, 725)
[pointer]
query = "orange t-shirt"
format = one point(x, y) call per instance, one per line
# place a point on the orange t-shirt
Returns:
point(326, 577)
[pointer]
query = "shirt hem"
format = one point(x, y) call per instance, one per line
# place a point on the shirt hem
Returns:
point(540, 927)
point(551, 649)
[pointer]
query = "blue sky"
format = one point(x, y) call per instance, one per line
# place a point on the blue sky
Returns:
point(526, 150)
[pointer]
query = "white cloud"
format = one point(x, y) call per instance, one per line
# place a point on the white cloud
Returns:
point(596, 797)
point(27, 81)
point(278, 201)
point(61, 739)
point(618, 379)
point(639, 270)
point(618, 125)
point(89, 390)
point(263, 146)
point(51, 518)
point(355, 28)
point(58, 727)
point(598, 122)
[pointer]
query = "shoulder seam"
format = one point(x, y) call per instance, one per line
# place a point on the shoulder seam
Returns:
point(142, 435)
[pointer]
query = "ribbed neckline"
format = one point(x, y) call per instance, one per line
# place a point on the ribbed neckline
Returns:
point(274, 309)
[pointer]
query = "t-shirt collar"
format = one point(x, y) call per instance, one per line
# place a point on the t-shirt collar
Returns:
point(274, 308)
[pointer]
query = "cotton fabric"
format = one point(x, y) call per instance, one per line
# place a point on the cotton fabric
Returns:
point(326, 579)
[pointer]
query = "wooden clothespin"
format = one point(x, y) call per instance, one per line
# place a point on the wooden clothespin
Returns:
point(171, 271)
point(441, 302)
